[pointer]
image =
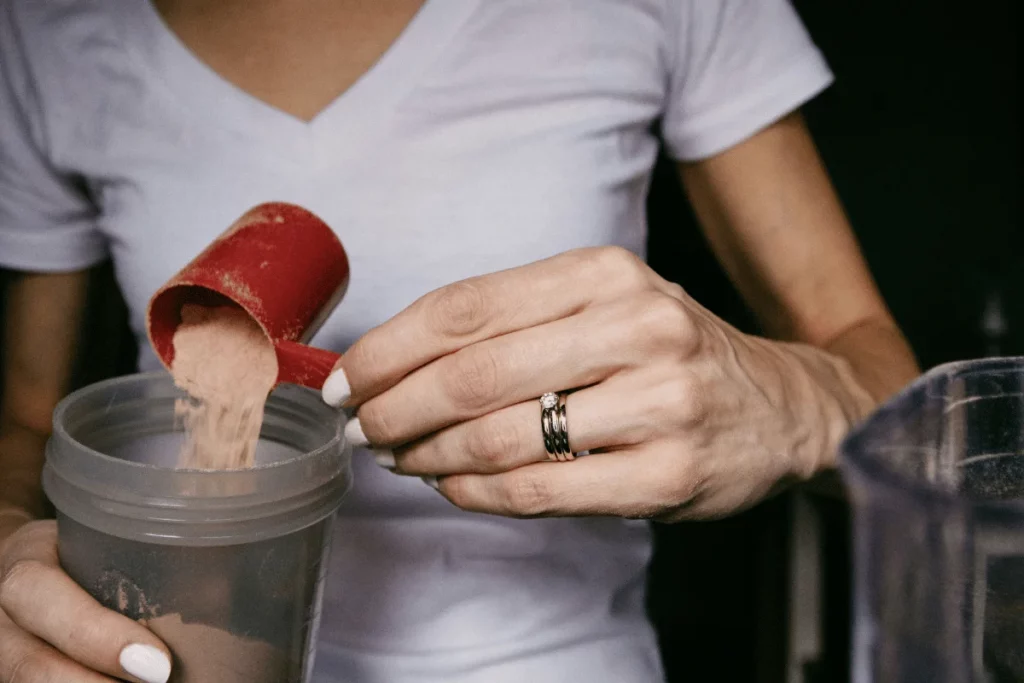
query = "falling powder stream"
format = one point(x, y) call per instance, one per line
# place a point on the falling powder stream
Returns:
point(226, 364)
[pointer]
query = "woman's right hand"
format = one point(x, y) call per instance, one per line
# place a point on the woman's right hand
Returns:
point(52, 631)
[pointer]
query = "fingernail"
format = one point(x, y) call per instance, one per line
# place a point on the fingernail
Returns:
point(336, 389)
point(354, 433)
point(431, 482)
point(146, 663)
point(384, 458)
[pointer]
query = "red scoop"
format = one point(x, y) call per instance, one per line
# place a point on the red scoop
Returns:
point(282, 265)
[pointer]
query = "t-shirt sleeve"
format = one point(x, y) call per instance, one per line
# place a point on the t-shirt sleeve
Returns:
point(736, 67)
point(47, 221)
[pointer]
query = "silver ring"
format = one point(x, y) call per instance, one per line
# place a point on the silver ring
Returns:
point(554, 425)
point(563, 429)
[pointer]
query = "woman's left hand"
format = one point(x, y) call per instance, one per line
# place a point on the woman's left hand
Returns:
point(683, 416)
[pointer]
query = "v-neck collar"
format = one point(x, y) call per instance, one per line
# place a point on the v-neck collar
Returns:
point(347, 120)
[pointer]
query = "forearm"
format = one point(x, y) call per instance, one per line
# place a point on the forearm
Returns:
point(776, 224)
point(21, 463)
point(41, 332)
point(21, 494)
point(879, 356)
point(871, 362)
point(20, 482)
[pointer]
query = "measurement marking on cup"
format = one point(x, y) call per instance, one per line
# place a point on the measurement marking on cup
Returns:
point(986, 456)
point(113, 396)
point(953, 405)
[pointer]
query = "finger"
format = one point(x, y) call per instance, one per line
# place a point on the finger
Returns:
point(571, 352)
point(27, 659)
point(483, 307)
point(625, 410)
point(639, 483)
point(42, 600)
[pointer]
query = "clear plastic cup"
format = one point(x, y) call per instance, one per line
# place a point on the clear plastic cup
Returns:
point(937, 480)
point(225, 566)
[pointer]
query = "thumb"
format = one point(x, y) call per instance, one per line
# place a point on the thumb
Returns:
point(41, 599)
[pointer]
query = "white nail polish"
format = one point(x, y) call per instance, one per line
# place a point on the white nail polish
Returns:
point(431, 482)
point(354, 433)
point(336, 389)
point(384, 458)
point(145, 662)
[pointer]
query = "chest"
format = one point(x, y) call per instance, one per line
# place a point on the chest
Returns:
point(295, 56)
point(485, 136)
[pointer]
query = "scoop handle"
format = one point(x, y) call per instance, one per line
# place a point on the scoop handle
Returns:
point(306, 365)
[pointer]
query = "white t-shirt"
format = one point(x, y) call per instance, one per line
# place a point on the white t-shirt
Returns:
point(490, 135)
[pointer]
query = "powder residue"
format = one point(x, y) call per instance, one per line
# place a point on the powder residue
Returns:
point(117, 591)
point(226, 364)
point(204, 654)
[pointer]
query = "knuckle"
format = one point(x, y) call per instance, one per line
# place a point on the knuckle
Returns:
point(33, 665)
point(666, 320)
point(473, 379)
point(18, 578)
point(367, 359)
point(466, 494)
point(615, 259)
point(662, 495)
point(689, 477)
point(374, 418)
point(528, 494)
point(494, 442)
point(676, 291)
point(682, 397)
point(455, 491)
point(617, 265)
point(458, 310)
point(680, 482)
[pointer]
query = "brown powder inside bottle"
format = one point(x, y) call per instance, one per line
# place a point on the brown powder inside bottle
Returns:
point(204, 654)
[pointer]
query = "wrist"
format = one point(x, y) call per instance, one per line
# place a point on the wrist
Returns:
point(832, 401)
point(846, 403)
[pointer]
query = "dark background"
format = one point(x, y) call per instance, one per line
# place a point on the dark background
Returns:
point(920, 134)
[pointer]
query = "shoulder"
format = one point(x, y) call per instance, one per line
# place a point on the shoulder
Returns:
point(37, 28)
point(736, 66)
point(53, 55)
point(44, 33)
point(732, 35)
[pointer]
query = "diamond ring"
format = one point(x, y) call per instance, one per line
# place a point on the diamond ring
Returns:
point(554, 425)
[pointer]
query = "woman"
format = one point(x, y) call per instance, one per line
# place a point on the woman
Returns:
point(485, 165)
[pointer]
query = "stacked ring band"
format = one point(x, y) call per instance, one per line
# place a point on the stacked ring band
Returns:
point(554, 425)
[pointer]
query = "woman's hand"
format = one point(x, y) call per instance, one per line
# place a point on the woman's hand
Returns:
point(52, 631)
point(683, 416)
